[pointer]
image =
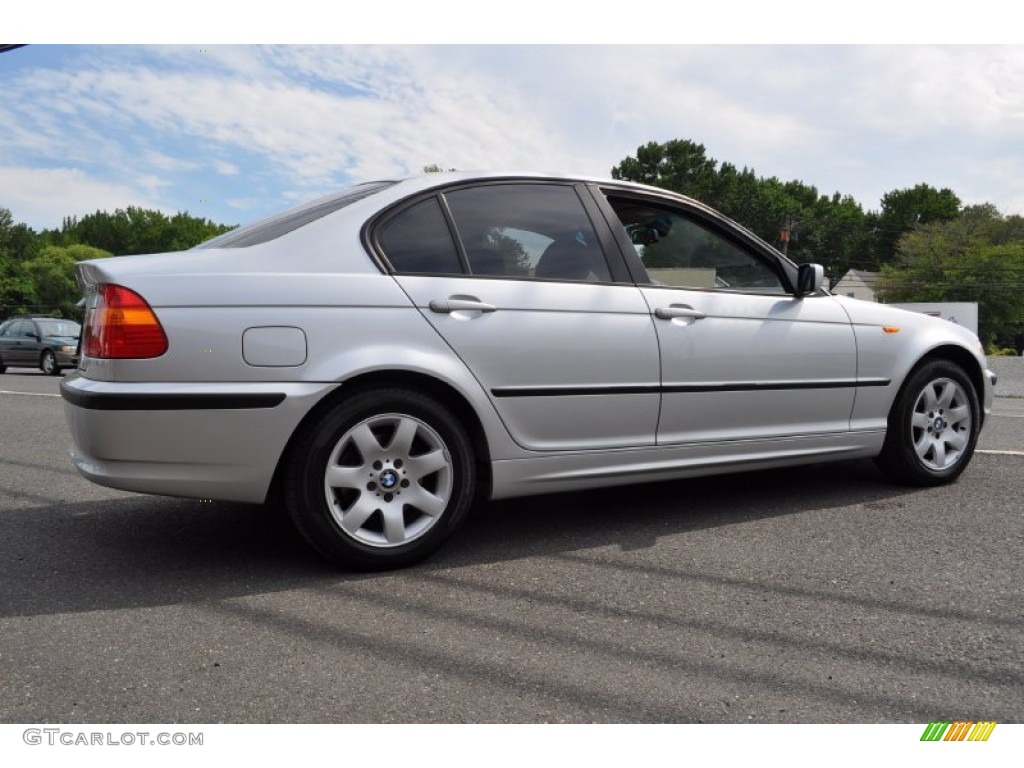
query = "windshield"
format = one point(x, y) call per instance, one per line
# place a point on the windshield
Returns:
point(272, 227)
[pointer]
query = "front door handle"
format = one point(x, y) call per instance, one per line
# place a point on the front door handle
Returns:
point(678, 310)
point(447, 306)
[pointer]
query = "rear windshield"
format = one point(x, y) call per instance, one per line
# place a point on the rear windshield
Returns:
point(272, 227)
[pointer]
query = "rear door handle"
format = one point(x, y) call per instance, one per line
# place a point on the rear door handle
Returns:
point(447, 306)
point(677, 310)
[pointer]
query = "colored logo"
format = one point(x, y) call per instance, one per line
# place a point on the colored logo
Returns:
point(959, 730)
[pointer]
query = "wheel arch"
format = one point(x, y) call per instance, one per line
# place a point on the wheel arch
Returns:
point(960, 356)
point(440, 390)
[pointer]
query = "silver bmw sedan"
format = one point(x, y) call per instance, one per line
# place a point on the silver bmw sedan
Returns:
point(387, 355)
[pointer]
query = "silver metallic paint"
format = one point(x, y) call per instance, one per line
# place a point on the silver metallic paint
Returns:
point(359, 321)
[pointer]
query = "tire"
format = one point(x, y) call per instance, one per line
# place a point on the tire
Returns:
point(382, 481)
point(3, 366)
point(48, 363)
point(933, 426)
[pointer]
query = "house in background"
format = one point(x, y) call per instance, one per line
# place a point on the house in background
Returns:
point(857, 284)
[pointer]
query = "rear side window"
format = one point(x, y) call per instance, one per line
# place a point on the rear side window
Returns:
point(417, 241)
point(19, 328)
point(527, 230)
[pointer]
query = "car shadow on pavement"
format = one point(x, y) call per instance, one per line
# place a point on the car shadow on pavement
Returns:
point(145, 550)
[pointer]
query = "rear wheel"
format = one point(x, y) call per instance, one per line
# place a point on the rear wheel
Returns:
point(382, 481)
point(933, 426)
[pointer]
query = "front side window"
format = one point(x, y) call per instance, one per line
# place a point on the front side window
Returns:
point(537, 231)
point(677, 250)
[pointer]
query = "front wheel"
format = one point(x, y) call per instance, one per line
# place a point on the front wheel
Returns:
point(933, 426)
point(49, 363)
point(382, 481)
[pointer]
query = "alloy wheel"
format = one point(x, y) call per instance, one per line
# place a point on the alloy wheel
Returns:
point(388, 480)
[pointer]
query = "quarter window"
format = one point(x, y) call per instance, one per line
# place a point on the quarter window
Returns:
point(417, 241)
point(527, 230)
point(679, 251)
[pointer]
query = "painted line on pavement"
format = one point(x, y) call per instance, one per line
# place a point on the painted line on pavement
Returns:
point(31, 394)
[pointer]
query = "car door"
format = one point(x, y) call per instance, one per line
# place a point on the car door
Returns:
point(742, 356)
point(515, 279)
point(18, 344)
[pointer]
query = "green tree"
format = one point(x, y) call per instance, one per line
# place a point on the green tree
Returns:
point(18, 244)
point(832, 230)
point(836, 234)
point(133, 230)
point(52, 275)
point(680, 165)
point(904, 209)
point(969, 258)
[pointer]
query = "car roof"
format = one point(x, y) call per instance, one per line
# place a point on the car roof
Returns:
point(38, 317)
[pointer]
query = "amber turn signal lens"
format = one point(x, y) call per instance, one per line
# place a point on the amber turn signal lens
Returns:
point(122, 325)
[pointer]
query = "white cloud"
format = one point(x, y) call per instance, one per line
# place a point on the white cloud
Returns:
point(224, 168)
point(975, 89)
point(42, 197)
point(163, 162)
point(247, 123)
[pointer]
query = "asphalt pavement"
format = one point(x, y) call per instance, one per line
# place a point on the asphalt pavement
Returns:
point(819, 594)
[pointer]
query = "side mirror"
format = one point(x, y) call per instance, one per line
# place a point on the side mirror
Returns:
point(809, 278)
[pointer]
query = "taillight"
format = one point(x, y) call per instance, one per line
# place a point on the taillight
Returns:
point(120, 324)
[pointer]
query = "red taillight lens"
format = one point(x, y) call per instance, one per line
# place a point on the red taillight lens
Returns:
point(120, 324)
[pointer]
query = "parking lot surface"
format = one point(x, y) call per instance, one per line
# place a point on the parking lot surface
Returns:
point(819, 594)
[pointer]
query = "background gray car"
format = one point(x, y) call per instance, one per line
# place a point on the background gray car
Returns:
point(388, 354)
point(46, 343)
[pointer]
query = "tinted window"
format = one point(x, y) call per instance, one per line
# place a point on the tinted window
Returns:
point(268, 229)
point(527, 230)
point(679, 251)
point(417, 241)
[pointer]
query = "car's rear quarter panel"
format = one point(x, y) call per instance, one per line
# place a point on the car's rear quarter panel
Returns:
point(353, 320)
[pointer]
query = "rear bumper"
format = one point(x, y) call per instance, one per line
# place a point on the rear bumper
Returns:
point(200, 440)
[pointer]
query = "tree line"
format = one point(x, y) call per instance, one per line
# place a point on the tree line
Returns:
point(37, 269)
point(924, 243)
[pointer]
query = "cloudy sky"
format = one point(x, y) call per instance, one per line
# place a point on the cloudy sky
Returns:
point(233, 132)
